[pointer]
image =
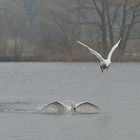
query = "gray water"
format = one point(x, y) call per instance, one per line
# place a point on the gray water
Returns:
point(24, 87)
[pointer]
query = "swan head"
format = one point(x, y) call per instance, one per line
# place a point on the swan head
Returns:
point(73, 107)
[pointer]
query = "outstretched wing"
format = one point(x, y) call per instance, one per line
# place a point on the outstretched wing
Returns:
point(92, 51)
point(54, 107)
point(113, 49)
point(86, 108)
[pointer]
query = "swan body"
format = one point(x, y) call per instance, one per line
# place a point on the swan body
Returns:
point(57, 107)
point(105, 63)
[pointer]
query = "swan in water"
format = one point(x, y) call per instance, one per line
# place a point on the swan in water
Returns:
point(105, 63)
point(58, 107)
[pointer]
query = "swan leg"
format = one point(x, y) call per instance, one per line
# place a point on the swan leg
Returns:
point(102, 69)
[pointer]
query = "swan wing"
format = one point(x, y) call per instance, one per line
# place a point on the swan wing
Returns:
point(113, 49)
point(54, 107)
point(86, 108)
point(92, 51)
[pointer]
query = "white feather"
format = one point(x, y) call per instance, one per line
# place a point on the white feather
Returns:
point(107, 61)
point(92, 51)
point(113, 49)
point(58, 107)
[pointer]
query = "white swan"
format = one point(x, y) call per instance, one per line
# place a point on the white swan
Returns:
point(58, 107)
point(105, 63)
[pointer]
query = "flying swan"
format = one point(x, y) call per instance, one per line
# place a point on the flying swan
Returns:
point(57, 107)
point(105, 63)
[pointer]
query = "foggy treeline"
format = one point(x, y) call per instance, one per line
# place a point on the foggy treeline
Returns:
point(47, 30)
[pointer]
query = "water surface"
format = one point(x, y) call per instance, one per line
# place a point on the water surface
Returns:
point(24, 87)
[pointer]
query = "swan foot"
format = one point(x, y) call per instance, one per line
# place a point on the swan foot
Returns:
point(102, 70)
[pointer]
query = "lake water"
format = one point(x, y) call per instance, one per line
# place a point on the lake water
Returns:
point(24, 87)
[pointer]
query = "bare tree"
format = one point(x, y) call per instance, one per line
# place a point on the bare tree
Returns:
point(32, 10)
point(130, 17)
point(113, 20)
point(47, 30)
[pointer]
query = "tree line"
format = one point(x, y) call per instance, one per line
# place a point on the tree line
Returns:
point(45, 30)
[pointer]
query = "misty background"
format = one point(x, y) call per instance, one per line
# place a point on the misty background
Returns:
point(47, 30)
